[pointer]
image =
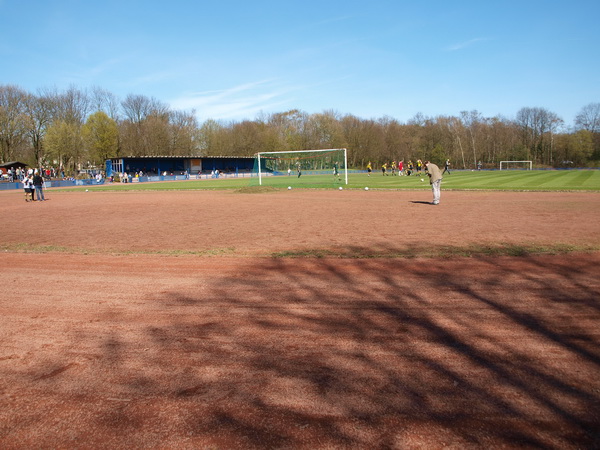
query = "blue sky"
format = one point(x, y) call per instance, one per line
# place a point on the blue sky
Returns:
point(232, 60)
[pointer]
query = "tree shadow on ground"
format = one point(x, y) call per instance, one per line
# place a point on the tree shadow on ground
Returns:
point(355, 353)
point(368, 353)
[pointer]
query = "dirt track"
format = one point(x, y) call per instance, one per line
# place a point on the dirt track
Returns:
point(345, 222)
point(146, 350)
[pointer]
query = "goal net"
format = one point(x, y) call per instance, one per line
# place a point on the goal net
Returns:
point(524, 165)
point(301, 168)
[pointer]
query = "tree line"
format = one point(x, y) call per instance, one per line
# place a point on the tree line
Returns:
point(75, 129)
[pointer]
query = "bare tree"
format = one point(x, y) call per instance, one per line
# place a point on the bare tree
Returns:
point(418, 119)
point(291, 128)
point(249, 137)
point(144, 130)
point(136, 108)
point(184, 133)
point(456, 128)
point(13, 121)
point(471, 121)
point(535, 125)
point(397, 142)
point(325, 131)
point(555, 124)
point(589, 118)
point(156, 135)
point(72, 106)
point(103, 100)
point(213, 138)
point(367, 141)
point(501, 138)
point(40, 111)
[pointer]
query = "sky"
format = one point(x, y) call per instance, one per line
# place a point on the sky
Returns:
point(238, 60)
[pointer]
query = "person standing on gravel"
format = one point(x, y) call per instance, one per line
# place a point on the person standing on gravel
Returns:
point(38, 184)
point(435, 180)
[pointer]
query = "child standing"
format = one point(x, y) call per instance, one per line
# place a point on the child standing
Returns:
point(28, 187)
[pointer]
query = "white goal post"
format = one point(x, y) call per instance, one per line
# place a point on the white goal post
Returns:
point(506, 164)
point(294, 154)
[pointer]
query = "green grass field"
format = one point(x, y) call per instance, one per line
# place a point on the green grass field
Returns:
point(518, 180)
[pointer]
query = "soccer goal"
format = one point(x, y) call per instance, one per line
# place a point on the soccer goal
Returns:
point(306, 168)
point(525, 165)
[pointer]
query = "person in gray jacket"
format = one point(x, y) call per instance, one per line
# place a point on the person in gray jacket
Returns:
point(435, 180)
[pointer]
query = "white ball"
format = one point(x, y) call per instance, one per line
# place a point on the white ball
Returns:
point(86, 190)
point(422, 179)
point(366, 188)
point(289, 187)
point(341, 188)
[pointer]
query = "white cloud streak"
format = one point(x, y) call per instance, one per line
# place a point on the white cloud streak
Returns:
point(236, 102)
point(465, 44)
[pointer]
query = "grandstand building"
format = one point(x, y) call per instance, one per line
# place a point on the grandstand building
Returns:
point(178, 165)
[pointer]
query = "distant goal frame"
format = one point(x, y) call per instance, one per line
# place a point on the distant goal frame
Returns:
point(325, 150)
point(506, 162)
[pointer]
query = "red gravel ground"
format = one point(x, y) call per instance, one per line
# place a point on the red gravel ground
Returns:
point(164, 320)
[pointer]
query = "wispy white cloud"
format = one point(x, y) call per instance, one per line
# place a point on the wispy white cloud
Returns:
point(105, 66)
point(333, 20)
point(465, 44)
point(154, 77)
point(80, 73)
point(239, 101)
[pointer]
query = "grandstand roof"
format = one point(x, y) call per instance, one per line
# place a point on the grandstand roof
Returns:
point(10, 164)
point(183, 157)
